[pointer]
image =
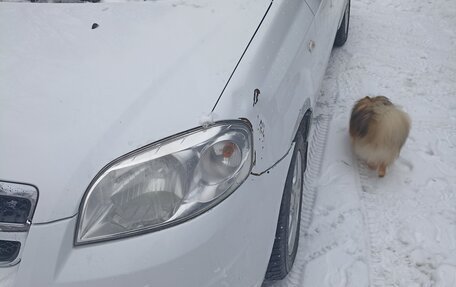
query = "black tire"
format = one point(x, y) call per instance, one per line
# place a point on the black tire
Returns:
point(342, 33)
point(282, 258)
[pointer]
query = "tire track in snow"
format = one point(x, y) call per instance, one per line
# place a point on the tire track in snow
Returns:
point(350, 83)
point(410, 244)
point(372, 232)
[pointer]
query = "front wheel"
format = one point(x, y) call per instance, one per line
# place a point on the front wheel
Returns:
point(287, 233)
point(342, 33)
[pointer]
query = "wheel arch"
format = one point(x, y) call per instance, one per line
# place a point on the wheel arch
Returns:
point(303, 122)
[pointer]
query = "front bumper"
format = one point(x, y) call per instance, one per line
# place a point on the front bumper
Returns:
point(229, 245)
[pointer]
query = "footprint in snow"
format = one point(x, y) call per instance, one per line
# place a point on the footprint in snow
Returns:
point(405, 163)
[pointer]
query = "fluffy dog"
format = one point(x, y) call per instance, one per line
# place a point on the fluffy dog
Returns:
point(378, 130)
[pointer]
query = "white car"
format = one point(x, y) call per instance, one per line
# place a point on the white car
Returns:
point(157, 143)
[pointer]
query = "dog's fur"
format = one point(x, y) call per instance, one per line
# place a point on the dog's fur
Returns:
point(378, 130)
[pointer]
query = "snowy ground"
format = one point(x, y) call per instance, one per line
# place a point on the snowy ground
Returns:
point(399, 230)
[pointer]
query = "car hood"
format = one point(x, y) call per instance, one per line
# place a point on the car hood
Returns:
point(82, 84)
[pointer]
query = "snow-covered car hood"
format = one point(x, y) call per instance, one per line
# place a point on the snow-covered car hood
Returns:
point(82, 84)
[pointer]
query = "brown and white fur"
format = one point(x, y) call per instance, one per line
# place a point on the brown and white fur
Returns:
point(378, 130)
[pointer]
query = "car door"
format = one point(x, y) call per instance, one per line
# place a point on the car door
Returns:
point(327, 16)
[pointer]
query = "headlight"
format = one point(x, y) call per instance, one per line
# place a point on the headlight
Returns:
point(166, 183)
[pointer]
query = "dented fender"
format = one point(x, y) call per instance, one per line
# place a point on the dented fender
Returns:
point(272, 86)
